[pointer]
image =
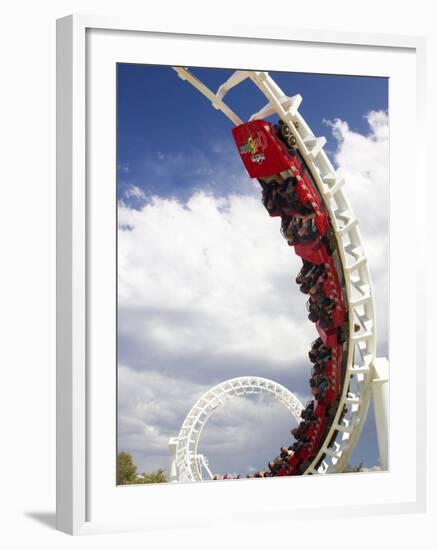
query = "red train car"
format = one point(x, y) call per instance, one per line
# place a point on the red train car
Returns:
point(268, 156)
point(261, 151)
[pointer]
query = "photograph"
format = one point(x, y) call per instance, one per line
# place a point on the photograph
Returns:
point(252, 273)
point(216, 292)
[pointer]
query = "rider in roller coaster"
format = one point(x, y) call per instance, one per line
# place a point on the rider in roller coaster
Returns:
point(298, 226)
point(292, 194)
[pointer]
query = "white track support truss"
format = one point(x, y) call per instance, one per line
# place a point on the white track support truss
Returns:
point(188, 462)
point(337, 447)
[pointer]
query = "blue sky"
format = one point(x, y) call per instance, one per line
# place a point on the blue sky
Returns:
point(190, 247)
point(160, 117)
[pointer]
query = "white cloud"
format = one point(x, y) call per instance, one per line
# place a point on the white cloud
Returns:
point(363, 160)
point(207, 292)
point(239, 435)
point(134, 192)
point(221, 269)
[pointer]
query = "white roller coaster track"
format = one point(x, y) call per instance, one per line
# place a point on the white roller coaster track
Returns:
point(187, 464)
point(360, 368)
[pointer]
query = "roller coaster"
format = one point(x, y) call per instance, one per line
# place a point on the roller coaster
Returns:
point(300, 186)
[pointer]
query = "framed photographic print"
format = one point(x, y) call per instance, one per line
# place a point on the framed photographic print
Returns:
point(233, 216)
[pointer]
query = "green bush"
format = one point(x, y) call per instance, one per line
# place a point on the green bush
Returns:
point(127, 472)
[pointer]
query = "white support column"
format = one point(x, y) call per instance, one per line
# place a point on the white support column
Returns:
point(381, 406)
point(172, 469)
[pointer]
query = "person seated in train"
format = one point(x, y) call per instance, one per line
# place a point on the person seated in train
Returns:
point(300, 430)
point(303, 425)
point(318, 271)
point(316, 306)
point(318, 368)
point(322, 382)
point(314, 354)
point(299, 229)
point(313, 311)
point(312, 382)
point(295, 432)
point(308, 414)
point(305, 269)
point(316, 291)
point(277, 129)
point(313, 386)
point(317, 277)
point(315, 347)
point(314, 277)
point(322, 307)
point(279, 126)
point(290, 228)
point(326, 322)
point(320, 353)
point(275, 464)
point(322, 363)
point(328, 304)
point(317, 299)
point(329, 242)
point(285, 452)
point(299, 445)
point(289, 456)
point(305, 287)
point(323, 354)
point(280, 468)
point(325, 317)
point(313, 315)
point(309, 408)
point(282, 131)
point(343, 331)
point(305, 208)
point(319, 384)
point(307, 231)
point(277, 195)
point(280, 194)
point(304, 465)
point(268, 195)
point(286, 197)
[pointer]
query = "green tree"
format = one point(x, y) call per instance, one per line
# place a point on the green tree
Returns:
point(158, 476)
point(126, 469)
point(127, 472)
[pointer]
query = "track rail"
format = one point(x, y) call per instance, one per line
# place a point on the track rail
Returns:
point(345, 429)
point(188, 466)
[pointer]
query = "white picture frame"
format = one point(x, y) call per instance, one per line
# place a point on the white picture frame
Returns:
point(75, 392)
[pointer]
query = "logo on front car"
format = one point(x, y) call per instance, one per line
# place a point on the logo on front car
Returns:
point(254, 144)
point(258, 159)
